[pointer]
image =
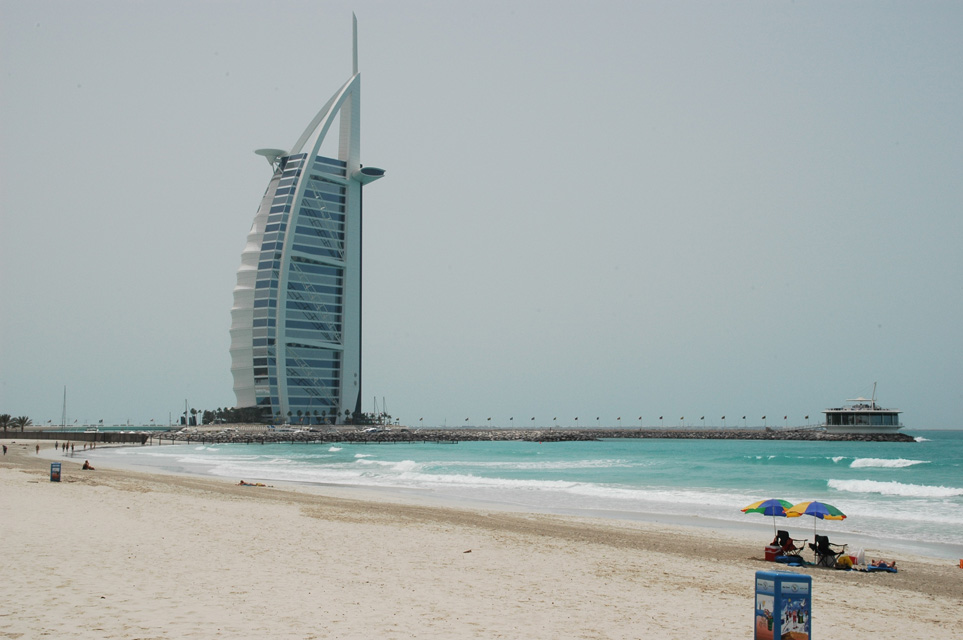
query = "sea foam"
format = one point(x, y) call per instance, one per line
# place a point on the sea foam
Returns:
point(886, 463)
point(895, 489)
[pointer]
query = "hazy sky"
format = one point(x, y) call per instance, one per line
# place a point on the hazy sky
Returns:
point(606, 209)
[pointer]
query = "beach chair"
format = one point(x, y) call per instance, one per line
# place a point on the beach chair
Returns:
point(826, 552)
point(788, 546)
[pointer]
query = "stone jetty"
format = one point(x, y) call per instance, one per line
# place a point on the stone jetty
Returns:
point(397, 434)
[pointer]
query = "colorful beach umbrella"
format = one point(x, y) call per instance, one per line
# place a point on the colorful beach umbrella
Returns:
point(771, 507)
point(815, 509)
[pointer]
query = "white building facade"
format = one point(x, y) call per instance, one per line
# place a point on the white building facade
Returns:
point(296, 319)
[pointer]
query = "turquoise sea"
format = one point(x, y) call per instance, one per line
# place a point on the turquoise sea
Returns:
point(907, 495)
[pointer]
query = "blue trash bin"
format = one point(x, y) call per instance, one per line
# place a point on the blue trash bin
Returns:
point(55, 472)
point(783, 606)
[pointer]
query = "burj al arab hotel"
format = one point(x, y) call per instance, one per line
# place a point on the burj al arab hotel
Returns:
point(296, 319)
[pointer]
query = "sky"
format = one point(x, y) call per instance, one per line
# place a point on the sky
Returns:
point(610, 211)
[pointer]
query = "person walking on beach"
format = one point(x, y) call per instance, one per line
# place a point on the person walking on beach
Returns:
point(38, 449)
point(4, 449)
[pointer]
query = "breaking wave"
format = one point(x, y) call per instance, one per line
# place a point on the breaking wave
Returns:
point(885, 463)
point(895, 489)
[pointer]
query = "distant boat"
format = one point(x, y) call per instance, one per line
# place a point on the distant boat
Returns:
point(91, 430)
point(862, 415)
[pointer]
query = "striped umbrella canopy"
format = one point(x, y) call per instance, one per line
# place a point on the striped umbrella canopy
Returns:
point(815, 509)
point(771, 507)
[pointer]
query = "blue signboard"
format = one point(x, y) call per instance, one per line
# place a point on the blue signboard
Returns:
point(783, 606)
point(55, 472)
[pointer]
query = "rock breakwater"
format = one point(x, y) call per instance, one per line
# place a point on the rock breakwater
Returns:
point(345, 434)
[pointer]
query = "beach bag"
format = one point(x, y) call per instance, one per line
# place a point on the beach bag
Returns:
point(844, 562)
point(860, 556)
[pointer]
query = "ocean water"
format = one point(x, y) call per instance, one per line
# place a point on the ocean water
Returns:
point(906, 494)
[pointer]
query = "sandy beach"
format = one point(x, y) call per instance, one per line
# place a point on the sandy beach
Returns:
point(115, 553)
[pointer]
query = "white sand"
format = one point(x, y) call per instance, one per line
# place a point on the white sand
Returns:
point(121, 554)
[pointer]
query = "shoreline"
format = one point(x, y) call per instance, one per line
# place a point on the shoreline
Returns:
point(133, 554)
point(746, 527)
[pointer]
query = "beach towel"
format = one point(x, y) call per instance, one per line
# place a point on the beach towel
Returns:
point(890, 569)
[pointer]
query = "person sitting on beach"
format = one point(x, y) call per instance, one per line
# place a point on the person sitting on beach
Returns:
point(87, 465)
point(784, 542)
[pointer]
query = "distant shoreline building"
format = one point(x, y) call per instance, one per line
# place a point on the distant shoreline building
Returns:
point(296, 319)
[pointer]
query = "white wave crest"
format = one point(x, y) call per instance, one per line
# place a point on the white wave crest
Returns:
point(886, 463)
point(895, 489)
point(363, 455)
point(335, 449)
point(921, 439)
point(838, 458)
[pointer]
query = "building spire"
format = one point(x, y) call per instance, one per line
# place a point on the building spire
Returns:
point(354, 44)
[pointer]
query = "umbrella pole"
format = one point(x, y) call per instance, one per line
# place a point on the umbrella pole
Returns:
point(815, 558)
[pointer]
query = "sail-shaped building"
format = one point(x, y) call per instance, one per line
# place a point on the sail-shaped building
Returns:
point(296, 319)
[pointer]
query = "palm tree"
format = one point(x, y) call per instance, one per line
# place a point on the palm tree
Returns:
point(22, 421)
point(5, 420)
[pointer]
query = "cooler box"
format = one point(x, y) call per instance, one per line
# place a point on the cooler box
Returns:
point(783, 606)
point(771, 552)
